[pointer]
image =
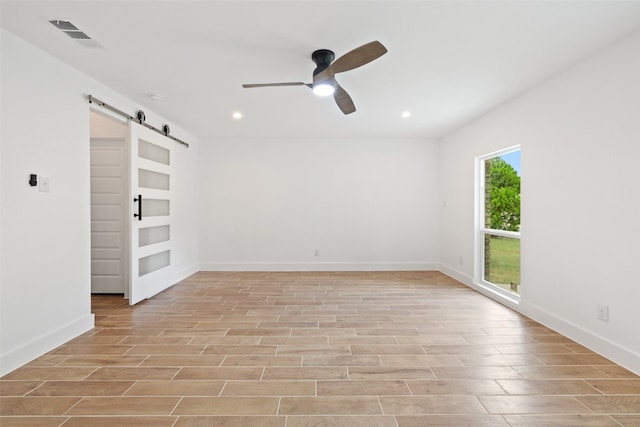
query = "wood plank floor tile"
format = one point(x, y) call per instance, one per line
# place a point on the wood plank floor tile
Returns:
point(476, 420)
point(32, 421)
point(477, 372)
point(387, 349)
point(183, 360)
point(314, 350)
point(340, 360)
point(162, 340)
point(548, 387)
point(108, 360)
point(573, 359)
point(620, 404)
point(298, 341)
point(127, 373)
point(617, 386)
point(560, 372)
point(420, 405)
point(375, 372)
point(460, 349)
point(455, 387)
point(231, 421)
point(226, 340)
point(82, 388)
point(36, 405)
point(402, 361)
point(219, 373)
point(157, 405)
point(227, 406)
point(498, 360)
point(165, 349)
point(121, 421)
point(343, 405)
point(95, 349)
point(362, 388)
point(561, 421)
point(305, 373)
point(270, 388)
point(176, 388)
point(533, 405)
point(262, 361)
point(49, 373)
point(533, 348)
point(342, 421)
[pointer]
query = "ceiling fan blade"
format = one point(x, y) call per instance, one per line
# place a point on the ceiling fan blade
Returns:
point(248, 86)
point(358, 57)
point(343, 99)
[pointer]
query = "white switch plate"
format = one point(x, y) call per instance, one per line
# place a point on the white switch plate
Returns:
point(43, 184)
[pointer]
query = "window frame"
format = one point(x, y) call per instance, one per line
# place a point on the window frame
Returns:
point(480, 230)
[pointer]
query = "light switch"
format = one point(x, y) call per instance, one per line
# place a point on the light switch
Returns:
point(43, 185)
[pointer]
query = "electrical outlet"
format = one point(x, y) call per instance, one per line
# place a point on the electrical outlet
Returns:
point(316, 252)
point(603, 313)
point(460, 261)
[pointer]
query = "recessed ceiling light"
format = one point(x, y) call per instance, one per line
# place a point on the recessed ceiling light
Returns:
point(237, 115)
point(156, 97)
point(405, 114)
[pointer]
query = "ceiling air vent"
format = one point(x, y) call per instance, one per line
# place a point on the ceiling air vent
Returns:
point(75, 33)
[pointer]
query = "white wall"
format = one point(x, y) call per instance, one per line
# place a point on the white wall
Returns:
point(45, 237)
point(364, 204)
point(580, 137)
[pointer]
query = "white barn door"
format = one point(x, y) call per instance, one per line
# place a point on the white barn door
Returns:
point(152, 267)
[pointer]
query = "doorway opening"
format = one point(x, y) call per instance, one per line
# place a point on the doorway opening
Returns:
point(109, 205)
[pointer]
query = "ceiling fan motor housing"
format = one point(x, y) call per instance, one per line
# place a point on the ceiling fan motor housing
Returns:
point(322, 58)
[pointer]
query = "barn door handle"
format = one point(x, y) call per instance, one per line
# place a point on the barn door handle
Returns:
point(139, 200)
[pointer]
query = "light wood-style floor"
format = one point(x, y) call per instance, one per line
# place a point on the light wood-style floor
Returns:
point(374, 349)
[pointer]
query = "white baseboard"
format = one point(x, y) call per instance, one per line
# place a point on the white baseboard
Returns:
point(341, 266)
point(185, 272)
point(612, 351)
point(41, 345)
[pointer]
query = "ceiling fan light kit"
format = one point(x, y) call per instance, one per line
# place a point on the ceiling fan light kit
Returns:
point(324, 81)
point(323, 89)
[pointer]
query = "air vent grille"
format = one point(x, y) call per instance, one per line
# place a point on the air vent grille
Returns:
point(75, 33)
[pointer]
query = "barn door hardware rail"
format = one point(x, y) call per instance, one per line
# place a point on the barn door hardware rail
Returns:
point(140, 118)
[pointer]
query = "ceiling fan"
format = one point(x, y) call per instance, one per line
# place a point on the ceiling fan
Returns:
point(324, 81)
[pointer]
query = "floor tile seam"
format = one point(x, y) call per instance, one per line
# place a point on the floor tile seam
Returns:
point(66, 413)
point(133, 383)
point(32, 390)
point(175, 375)
point(176, 406)
point(86, 377)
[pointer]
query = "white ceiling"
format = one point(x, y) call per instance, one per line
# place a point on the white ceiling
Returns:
point(448, 61)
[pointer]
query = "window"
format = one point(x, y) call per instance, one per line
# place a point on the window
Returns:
point(497, 263)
